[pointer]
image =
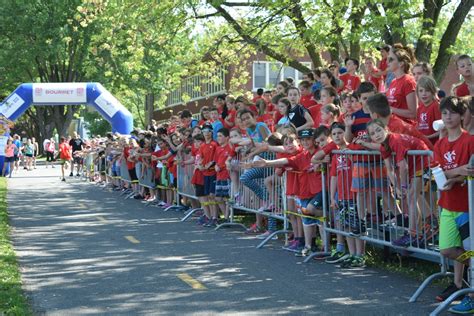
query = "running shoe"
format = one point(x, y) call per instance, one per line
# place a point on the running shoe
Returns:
point(63, 179)
point(450, 289)
point(305, 252)
point(254, 229)
point(211, 223)
point(295, 246)
point(78, 175)
point(358, 262)
point(336, 257)
point(202, 220)
point(71, 174)
point(346, 263)
point(403, 241)
point(465, 307)
point(266, 234)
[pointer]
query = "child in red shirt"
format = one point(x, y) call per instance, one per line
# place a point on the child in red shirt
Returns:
point(350, 79)
point(307, 99)
point(428, 108)
point(453, 153)
point(207, 152)
point(464, 68)
point(408, 182)
point(65, 154)
point(329, 115)
point(309, 184)
point(223, 152)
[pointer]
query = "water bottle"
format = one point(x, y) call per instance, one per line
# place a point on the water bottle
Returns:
point(439, 176)
point(438, 125)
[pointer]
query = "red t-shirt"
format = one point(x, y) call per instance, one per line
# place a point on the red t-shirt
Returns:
point(397, 125)
point(309, 181)
point(207, 152)
point(157, 164)
point(462, 90)
point(277, 116)
point(400, 144)
point(171, 164)
point(315, 112)
point(341, 167)
point(198, 177)
point(291, 175)
point(126, 154)
point(256, 98)
point(231, 118)
point(425, 116)
point(308, 101)
point(65, 151)
point(267, 119)
point(383, 64)
point(351, 82)
point(398, 91)
point(376, 81)
point(451, 155)
point(220, 157)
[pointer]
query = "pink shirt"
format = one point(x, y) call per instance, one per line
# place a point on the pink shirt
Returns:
point(10, 150)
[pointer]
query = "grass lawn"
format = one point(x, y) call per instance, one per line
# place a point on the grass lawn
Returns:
point(12, 299)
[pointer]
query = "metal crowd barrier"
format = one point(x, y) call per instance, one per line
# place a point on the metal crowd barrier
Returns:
point(274, 206)
point(185, 188)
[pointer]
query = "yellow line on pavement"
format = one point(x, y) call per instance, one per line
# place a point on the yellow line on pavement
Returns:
point(102, 219)
point(195, 284)
point(132, 239)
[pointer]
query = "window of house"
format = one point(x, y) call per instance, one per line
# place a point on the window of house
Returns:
point(267, 74)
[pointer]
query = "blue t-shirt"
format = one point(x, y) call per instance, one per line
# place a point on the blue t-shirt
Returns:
point(316, 86)
point(216, 126)
point(255, 134)
point(18, 145)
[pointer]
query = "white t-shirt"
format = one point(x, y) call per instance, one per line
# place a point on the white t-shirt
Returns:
point(46, 144)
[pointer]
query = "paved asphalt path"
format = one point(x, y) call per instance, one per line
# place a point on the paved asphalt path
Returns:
point(87, 251)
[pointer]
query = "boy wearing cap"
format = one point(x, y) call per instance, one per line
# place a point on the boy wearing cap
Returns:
point(309, 183)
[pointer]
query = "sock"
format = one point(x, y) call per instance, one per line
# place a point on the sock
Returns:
point(340, 248)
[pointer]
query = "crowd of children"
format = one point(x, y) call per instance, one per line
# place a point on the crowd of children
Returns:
point(294, 130)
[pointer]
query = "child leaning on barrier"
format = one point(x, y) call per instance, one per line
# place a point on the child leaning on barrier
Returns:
point(408, 179)
point(221, 155)
point(453, 153)
point(309, 184)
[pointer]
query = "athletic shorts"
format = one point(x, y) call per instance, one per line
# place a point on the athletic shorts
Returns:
point(78, 160)
point(29, 155)
point(209, 185)
point(454, 230)
point(64, 161)
point(49, 156)
point(317, 202)
point(369, 176)
point(199, 190)
point(223, 188)
point(10, 159)
point(17, 158)
point(133, 174)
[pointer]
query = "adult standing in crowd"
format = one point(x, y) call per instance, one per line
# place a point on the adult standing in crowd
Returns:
point(10, 148)
point(77, 144)
point(49, 146)
point(17, 142)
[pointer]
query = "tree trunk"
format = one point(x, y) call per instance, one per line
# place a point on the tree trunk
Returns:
point(449, 38)
point(149, 106)
point(424, 46)
point(356, 19)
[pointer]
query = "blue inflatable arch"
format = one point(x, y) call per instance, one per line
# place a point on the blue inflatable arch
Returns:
point(91, 93)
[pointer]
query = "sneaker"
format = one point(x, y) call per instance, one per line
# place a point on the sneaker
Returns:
point(337, 256)
point(211, 223)
point(305, 252)
point(138, 197)
point(447, 292)
point(202, 220)
point(71, 174)
point(254, 229)
point(266, 234)
point(63, 179)
point(404, 241)
point(358, 262)
point(294, 246)
point(465, 307)
point(78, 175)
point(346, 263)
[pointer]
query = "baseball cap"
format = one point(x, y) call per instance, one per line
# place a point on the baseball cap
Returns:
point(207, 127)
point(306, 133)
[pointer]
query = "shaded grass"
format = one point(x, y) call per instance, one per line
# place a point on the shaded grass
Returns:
point(12, 299)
